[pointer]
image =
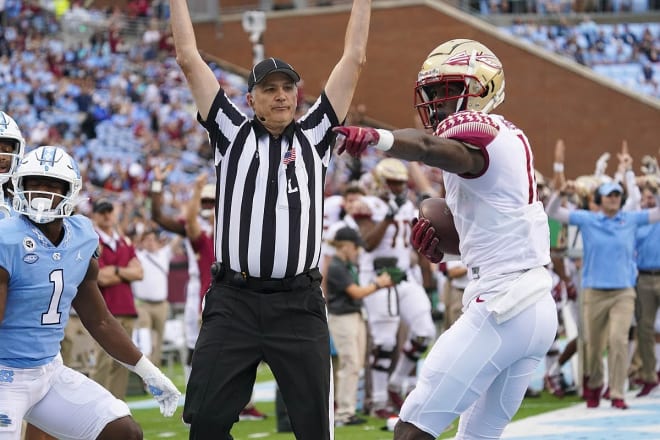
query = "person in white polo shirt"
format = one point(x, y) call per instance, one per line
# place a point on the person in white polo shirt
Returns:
point(151, 293)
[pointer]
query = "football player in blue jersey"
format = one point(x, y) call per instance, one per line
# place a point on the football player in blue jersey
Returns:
point(12, 147)
point(47, 265)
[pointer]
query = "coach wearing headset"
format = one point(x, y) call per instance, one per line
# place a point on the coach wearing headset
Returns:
point(265, 303)
point(608, 281)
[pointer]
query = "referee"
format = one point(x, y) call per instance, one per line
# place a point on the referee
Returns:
point(265, 302)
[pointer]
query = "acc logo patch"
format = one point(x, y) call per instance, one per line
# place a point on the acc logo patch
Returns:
point(29, 244)
point(30, 258)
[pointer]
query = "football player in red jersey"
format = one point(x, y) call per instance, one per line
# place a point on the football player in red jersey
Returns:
point(480, 368)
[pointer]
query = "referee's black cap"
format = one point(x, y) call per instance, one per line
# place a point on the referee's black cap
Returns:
point(268, 66)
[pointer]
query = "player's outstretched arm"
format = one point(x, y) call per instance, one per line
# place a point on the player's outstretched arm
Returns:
point(343, 79)
point(202, 81)
point(107, 331)
point(412, 144)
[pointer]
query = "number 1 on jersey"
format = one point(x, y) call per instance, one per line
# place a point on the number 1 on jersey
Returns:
point(52, 316)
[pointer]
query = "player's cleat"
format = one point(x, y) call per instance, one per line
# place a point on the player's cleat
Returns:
point(251, 413)
point(619, 403)
point(647, 387)
point(351, 421)
point(395, 397)
point(553, 384)
point(383, 413)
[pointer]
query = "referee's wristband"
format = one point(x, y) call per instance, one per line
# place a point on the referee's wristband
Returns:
point(558, 167)
point(385, 139)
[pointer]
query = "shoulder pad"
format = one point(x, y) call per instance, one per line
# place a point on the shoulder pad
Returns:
point(474, 128)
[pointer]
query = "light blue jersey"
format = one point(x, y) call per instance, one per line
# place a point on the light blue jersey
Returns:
point(43, 280)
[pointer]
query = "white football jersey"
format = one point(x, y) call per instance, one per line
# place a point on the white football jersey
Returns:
point(501, 223)
point(396, 240)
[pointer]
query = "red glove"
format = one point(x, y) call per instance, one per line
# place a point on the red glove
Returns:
point(556, 291)
point(356, 139)
point(571, 290)
point(423, 239)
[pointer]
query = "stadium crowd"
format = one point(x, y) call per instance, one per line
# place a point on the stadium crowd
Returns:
point(625, 53)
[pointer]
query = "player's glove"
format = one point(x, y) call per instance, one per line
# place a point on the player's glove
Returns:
point(556, 291)
point(160, 387)
point(355, 139)
point(396, 274)
point(423, 239)
point(571, 290)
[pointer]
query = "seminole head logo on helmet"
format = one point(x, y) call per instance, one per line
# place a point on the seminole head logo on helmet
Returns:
point(462, 72)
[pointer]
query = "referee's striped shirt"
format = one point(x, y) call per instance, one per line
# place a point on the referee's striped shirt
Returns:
point(269, 210)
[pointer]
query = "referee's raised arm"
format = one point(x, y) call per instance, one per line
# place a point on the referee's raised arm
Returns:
point(264, 300)
point(344, 77)
point(203, 84)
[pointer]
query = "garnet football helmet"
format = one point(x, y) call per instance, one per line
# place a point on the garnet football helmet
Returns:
point(469, 63)
point(9, 132)
point(50, 162)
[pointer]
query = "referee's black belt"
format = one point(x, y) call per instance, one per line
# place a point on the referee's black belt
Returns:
point(649, 272)
point(223, 274)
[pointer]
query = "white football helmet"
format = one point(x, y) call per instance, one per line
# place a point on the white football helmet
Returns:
point(54, 163)
point(9, 132)
point(459, 61)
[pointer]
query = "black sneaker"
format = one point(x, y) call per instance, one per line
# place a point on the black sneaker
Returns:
point(351, 421)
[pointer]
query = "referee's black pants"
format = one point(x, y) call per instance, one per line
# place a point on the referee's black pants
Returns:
point(240, 328)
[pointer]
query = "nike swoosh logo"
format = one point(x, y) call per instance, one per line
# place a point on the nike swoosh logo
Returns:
point(479, 300)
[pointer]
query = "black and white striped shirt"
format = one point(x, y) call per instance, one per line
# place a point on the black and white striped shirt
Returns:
point(269, 210)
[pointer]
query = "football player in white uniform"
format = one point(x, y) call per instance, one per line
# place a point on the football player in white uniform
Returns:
point(387, 242)
point(480, 368)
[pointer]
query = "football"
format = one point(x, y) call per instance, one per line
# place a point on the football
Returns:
point(436, 211)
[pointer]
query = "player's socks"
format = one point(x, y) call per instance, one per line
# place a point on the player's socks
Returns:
point(402, 370)
point(379, 388)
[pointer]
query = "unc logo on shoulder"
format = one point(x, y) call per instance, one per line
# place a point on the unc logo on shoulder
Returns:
point(29, 244)
point(30, 258)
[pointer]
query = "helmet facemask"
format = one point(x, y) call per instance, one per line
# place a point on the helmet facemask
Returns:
point(431, 96)
point(48, 164)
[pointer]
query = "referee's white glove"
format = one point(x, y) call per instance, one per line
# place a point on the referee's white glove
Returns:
point(159, 385)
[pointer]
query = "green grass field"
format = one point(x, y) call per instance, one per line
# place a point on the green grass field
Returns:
point(157, 427)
